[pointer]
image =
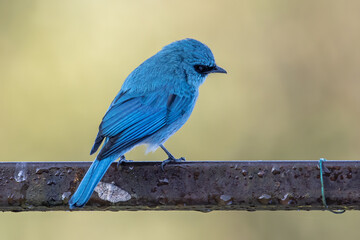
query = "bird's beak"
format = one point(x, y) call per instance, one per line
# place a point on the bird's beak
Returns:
point(218, 69)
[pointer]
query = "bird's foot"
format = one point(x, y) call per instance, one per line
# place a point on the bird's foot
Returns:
point(121, 161)
point(171, 160)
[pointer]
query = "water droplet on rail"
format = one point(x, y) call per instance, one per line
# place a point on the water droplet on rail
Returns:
point(227, 199)
point(205, 210)
point(288, 199)
point(275, 170)
point(163, 181)
point(65, 195)
point(41, 170)
point(51, 182)
point(264, 199)
point(261, 173)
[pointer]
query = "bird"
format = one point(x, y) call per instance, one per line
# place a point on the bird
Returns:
point(154, 102)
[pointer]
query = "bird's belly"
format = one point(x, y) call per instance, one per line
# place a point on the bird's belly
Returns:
point(163, 134)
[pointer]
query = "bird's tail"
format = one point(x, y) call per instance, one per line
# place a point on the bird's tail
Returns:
point(89, 182)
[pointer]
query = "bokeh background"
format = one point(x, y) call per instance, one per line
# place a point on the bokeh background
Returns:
point(291, 92)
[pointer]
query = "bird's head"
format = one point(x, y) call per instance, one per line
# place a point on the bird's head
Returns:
point(192, 58)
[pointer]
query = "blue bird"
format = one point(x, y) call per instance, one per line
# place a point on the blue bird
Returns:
point(154, 102)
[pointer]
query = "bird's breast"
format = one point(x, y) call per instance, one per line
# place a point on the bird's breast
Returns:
point(173, 125)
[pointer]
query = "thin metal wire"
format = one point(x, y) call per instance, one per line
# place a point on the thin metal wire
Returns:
point(339, 211)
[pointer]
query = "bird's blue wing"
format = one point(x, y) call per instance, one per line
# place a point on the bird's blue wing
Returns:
point(130, 119)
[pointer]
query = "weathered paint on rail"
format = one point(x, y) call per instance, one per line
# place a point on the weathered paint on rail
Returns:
point(200, 186)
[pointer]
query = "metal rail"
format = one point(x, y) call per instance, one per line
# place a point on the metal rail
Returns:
point(200, 186)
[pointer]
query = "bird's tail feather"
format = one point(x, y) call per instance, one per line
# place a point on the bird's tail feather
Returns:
point(89, 182)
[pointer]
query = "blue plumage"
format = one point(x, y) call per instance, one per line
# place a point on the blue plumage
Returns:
point(155, 100)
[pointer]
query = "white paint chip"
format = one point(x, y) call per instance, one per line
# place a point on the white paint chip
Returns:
point(20, 172)
point(111, 193)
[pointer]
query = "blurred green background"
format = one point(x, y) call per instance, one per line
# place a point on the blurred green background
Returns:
point(291, 92)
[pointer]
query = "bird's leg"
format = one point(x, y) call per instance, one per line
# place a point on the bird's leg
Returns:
point(122, 160)
point(171, 158)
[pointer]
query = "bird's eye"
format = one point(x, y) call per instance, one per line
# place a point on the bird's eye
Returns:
point(203, 69)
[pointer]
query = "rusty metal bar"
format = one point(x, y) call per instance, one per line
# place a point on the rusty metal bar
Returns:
point(200, 186)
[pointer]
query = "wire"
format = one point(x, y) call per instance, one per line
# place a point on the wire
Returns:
point(339, 211)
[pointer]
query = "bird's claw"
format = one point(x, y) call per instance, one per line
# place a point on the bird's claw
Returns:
point(171, 160)
point(121, 161)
